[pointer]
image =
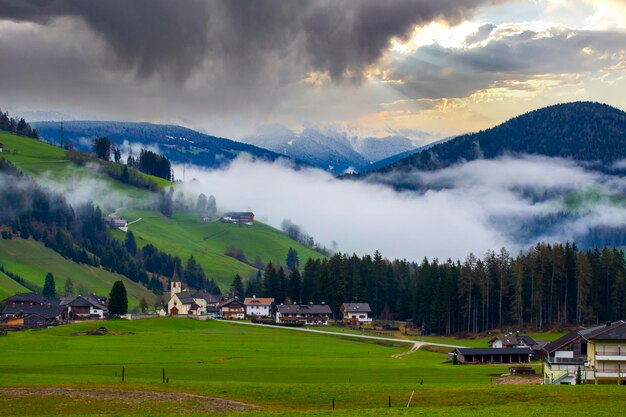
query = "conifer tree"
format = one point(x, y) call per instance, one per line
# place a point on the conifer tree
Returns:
point(118, 299)
point(49, 289)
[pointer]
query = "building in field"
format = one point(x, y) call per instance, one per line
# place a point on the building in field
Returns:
point(77, 308)
point(493, 355)
point(311, 314)
point(233, 309)
point(258, 307)
point(596, 355)
point(238, 217)
point(1, 147)
point(356, 313)
point(182, 302)
point(115, 221)
point(512, 340)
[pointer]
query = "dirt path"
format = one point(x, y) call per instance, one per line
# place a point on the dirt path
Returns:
point(131, 400)
point(415, 344)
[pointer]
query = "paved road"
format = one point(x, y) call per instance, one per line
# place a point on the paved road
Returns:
point(416, 343)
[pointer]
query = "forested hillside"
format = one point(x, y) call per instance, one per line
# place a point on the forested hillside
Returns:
point(582, 131)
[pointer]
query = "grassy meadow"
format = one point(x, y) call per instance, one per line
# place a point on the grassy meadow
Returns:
point(32, 261)
point(186, 234)
point(282, 372)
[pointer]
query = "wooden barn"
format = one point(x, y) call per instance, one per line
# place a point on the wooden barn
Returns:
point(494, 355)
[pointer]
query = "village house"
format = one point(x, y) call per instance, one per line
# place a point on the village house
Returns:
point(245, 218)
point(258, 307)
point(233, 309)
point(511, 340)
point(83, 308)
point(307, 314)
point(29, 310)
point(1, 147)
point(592, 356)
point(115, 221)
point(356, 313)
point(493, 355)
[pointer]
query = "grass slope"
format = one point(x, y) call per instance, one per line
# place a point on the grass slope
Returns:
point(32, 261)
point(8, 287)
point(282, 371)
point(185, 234)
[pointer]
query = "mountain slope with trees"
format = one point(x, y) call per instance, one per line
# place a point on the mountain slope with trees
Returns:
point(177, 143)
point(583, 131)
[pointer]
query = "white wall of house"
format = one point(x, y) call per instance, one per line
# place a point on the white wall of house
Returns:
point(359, 316)
point(96, 312)
point(258, 311)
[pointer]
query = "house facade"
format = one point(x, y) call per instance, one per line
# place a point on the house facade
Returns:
point(307, 314)
point(233, 309)
point(592, 356)
point(356, 313)
point(258, 307)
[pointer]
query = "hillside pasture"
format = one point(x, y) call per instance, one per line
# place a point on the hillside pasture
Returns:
point(32, 261)
point(186, 235)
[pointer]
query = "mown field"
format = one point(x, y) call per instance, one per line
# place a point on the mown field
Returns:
point(281, 372)
point(186, 234)
point(32, 260)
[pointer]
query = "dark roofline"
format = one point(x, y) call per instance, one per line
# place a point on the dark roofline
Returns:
point(495, 351)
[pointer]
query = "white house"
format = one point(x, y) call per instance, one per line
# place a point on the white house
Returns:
point(356, 313)
point(258, 307)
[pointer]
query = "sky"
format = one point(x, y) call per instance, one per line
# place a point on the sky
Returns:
point(227, 67)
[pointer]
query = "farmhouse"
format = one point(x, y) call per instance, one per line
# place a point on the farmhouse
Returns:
point(493, 355)
point(596, 355)
point(258, 307)
point(83, 308)
point(1, 147)
point(29, 316)
point(233, 309)
point(115, 221)
point(308, 314)
point(356, 313)
point(511, 340)
point(246, 218)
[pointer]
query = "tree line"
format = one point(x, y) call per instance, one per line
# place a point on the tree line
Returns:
point(17, 126)
point(148, 162)
point(546, 286)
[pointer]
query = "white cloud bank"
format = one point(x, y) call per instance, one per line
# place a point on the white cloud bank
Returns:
point(470, 208)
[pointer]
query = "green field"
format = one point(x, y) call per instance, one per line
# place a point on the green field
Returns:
point(9, 287)
point(32, 261)
point(185, 234)
point(280, 371)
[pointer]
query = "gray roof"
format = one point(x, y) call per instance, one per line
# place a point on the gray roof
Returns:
point(495, 351)
point(48, 311)
point(208, 297)
point(27, 297)
point(515, 339)
point(185, 297)
point(616, 331)
point(231, 301)
point(314, 309)
point(356, 307)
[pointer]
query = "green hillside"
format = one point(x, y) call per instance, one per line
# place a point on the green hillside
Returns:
point(8, 287)
point(184, 235)
point(32, 261)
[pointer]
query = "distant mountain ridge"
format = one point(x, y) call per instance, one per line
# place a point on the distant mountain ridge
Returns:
point(584, 131)
point(333, 151)
point(178, 143)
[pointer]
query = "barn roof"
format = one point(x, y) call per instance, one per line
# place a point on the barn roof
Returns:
point(356, 307)
point(495, 351)
point(312, 309)
point(27, 297)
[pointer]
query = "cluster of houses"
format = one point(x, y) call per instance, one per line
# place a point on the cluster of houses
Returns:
point(116, 222)
point(595, 355)
point(182, 302)
point(30, 310)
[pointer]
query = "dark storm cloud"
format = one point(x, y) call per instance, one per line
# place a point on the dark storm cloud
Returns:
point(169, 37)
point(437, 72)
